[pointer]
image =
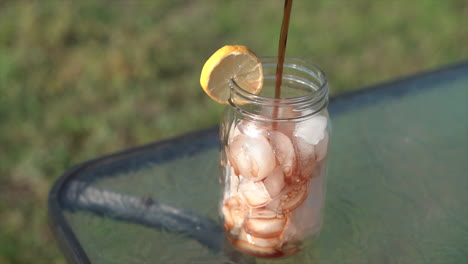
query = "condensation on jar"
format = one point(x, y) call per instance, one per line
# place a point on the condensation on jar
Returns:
point(273, 161)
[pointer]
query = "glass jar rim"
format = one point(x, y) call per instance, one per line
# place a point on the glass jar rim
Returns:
point(294, 63)
point(299, 72)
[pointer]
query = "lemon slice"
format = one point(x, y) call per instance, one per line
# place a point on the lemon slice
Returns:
point(231, 62)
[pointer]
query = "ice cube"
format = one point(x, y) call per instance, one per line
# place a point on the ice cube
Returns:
point(253, 158)
point(294, 196)
point(255, 250)
point(234, 211)
point(265, 227)
point(274, 183)
point(254, 193)
point(312, 130)
point(258, 241)
point(306, 157)
point(284, 151)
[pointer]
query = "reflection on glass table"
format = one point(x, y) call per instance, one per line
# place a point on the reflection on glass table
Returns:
point(396, 191)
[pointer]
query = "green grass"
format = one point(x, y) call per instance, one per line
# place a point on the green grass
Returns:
point(84, 78)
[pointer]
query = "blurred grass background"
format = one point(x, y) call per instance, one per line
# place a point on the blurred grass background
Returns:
point(79, 79)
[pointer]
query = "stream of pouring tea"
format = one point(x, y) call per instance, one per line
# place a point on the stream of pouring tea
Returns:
point(282, 46)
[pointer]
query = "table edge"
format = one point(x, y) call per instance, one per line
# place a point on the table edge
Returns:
point(71, 248)
point(372, 88)
point(66, 238)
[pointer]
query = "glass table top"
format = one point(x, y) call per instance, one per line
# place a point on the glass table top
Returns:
point(396, 187)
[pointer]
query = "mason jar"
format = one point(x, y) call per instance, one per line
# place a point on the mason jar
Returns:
point(273, 161)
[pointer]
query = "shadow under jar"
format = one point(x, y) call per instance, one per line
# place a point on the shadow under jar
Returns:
point(273, 161)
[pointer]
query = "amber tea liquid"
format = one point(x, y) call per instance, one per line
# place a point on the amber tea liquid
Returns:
point(282, 46)
point(282, 51)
